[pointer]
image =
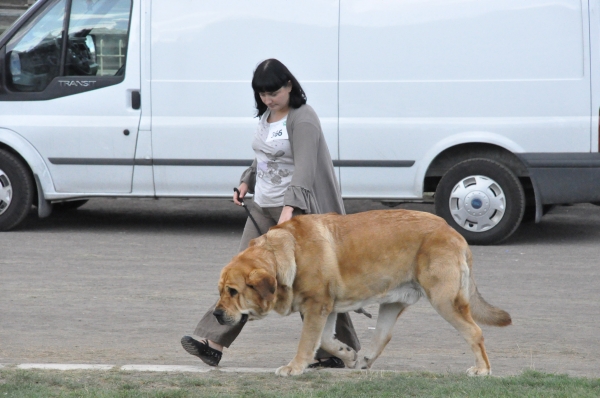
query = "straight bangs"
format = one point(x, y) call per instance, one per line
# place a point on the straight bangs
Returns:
point(266, 81)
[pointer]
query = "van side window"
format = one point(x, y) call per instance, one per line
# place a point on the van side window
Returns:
point(98, 32)
point(35, 50)
point(96, 44)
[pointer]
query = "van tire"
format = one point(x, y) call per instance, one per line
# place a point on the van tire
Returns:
point(489, 197)
point(17, 190)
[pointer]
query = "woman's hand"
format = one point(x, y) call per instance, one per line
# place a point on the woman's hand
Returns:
point(243, 188)
point(286, 214)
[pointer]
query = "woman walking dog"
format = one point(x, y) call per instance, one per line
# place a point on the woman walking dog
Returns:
point(292, 174)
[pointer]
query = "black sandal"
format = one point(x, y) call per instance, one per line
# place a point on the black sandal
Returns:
point(202, 350)
point(333, 362)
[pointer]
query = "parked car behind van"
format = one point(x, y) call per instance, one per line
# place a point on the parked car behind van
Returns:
point(490, 106)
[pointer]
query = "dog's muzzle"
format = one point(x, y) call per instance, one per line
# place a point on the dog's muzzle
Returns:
point(220, 315)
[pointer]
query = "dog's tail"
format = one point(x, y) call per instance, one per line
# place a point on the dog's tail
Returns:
point(482, 311)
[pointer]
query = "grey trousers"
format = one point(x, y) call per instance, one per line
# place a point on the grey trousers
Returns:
point(209, 328)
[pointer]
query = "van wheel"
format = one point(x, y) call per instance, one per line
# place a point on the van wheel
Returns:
point(482, 199)
point(16, 191)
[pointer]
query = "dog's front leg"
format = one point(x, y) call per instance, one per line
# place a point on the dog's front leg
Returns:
point(388, 314)
point(315, 317)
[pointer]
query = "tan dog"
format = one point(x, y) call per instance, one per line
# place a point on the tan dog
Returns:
point(324, 264)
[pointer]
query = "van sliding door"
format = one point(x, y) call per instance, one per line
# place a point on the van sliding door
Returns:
point(419, 77)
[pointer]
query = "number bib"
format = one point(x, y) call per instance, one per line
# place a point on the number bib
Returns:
point(277, 131)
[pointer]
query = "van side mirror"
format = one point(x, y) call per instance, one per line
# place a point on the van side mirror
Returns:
point(15, 65)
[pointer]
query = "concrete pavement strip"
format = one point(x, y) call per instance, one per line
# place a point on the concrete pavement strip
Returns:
point(176, 368)
point(63, 366)
point(150, 368)
point(164, 368)
point(136, 368)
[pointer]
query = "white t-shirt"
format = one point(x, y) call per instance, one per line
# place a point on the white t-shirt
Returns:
point(274, 162)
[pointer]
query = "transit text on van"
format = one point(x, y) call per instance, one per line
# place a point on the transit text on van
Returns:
point(77, 83)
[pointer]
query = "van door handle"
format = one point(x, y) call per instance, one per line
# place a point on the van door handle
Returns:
point(136, 100)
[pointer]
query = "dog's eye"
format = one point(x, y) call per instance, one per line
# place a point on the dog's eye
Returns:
point(232, 292)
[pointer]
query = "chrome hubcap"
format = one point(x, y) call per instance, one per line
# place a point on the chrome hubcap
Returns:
point(5, 192)
point(477, 203)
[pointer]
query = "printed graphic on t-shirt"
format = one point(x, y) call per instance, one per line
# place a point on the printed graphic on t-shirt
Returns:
point(272, 172)
point(275, 162)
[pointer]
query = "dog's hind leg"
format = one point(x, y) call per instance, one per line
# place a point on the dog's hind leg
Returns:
point(334, 346)
point(388, 315)
point(457, 312)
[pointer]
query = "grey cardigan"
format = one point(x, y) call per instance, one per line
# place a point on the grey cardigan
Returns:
point(314, 187)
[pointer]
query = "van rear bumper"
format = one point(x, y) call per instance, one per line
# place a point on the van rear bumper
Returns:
point(564, 177)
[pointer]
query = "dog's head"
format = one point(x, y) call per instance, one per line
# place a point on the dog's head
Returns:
point(247, 287)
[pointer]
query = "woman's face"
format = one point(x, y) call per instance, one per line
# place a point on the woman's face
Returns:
point(278, 100)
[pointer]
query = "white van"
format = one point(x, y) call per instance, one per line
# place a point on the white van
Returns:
point(490, 104)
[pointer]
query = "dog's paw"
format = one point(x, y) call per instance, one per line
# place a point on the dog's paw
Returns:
point(363, 363)
point(289, 370)
point(475, 371)
point(350, 356)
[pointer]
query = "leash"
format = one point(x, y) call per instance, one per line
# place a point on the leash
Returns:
point(247, 210)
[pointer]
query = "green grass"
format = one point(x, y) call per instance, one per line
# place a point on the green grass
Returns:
point(115, 383)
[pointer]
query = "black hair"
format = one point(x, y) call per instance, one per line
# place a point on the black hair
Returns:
point(270, 75)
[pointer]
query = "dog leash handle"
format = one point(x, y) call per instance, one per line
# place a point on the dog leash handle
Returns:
point(247, 210)
point(239, 197)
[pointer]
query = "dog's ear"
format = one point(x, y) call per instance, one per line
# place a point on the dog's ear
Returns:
point(283, 244)
point(263, 282)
